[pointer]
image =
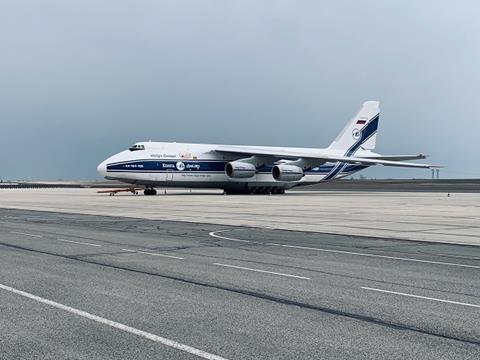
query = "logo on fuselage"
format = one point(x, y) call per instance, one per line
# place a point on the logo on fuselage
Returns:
point(356, 134)
point(180, 166)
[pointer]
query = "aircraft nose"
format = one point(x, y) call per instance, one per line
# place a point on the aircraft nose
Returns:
point(102, 169)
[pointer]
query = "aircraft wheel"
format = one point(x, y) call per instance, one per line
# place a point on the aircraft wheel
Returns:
point(148, 192)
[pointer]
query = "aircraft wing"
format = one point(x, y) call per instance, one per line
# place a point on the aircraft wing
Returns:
point(369, 161)
point(397, 157)
point(277, 154)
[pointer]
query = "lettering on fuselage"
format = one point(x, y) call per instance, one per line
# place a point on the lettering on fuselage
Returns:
point(160, 156)
point(133, 166)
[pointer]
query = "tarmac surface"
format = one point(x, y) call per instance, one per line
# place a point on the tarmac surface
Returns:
point(382, 185)
point(411, 216)
point(107, 287)
point(397, 185)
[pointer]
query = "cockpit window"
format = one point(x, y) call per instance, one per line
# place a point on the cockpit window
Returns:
point(137, 147)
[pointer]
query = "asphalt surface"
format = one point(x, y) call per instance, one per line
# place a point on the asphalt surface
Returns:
point(92, 287)
point(373, 185)
point(399, 185)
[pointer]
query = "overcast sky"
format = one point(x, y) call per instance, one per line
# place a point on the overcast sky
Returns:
point(82, 80)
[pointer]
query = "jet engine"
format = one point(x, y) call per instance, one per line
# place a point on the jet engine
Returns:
point(240, 170)
point(285, 172)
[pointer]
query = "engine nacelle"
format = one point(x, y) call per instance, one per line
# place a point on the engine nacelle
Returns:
point(285, 172)
point(240, 170)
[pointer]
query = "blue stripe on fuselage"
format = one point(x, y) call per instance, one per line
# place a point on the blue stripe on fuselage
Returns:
point(205, 166)
point(167, 165)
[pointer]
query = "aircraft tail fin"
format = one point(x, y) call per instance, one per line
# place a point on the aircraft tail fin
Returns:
point(360, 132)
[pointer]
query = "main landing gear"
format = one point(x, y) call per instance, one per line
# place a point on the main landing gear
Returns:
point(256, 190)
point(150, 192)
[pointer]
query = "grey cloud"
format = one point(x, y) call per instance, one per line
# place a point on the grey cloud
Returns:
point(84, 79)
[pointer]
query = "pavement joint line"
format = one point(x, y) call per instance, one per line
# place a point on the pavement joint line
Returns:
point(26, 234)
point(420, 297)
point(356, 253)
point(154, 254)
point(116, 325)
point(78, 242)
point(262, 271)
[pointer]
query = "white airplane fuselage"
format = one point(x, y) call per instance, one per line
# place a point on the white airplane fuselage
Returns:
point(160, 164)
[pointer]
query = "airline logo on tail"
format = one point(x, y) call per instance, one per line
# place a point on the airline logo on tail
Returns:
point(356, 134)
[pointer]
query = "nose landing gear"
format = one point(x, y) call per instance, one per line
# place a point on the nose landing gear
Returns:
point(150, 192)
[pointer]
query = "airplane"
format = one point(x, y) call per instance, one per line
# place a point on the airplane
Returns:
point(241, 169)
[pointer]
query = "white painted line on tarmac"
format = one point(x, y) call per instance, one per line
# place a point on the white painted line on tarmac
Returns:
point(383, 256)
point(26, 234)
point(262, 271)
point(351, 253)
point(116, 325)
point(154, 254)
point(214, 234)
point(64, 240)
point(420, 297)
point(162, 255)
point(79, 243)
